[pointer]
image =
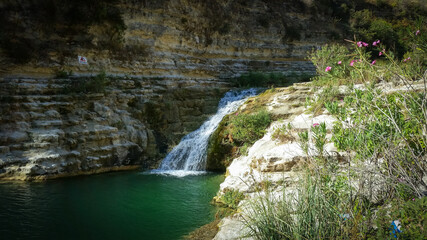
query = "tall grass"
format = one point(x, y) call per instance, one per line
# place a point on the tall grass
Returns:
point(307, 213)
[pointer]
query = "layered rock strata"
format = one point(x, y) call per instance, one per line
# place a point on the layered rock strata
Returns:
point(174, 38)
point(46, 132)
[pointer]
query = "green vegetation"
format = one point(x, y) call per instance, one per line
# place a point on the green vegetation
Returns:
point(233, 137)
point(284, 134)
point(63, 74)
point(383, 136)
point(262, 79)
point(231, 199)
point(247, 128)
point(228, 202)
point(309, 213)
point(412, 215)
point(96, 84)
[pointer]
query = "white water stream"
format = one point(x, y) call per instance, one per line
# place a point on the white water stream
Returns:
point(189, 156)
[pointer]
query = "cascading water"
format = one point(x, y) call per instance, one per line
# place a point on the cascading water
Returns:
point(189, 156)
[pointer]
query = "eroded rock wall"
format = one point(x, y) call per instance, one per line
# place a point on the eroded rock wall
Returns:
point(46, 132)
point(174, 38)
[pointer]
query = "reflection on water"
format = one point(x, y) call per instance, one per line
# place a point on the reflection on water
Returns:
point(108, 206)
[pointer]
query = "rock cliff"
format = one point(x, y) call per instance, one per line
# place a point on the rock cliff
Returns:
point(46, 132)
point(176, 38)
point(170, 61)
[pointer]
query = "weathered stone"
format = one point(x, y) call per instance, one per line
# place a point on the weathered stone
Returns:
point(59, 135)
point(15, 137)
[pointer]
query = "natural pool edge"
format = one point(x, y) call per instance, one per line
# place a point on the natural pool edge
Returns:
point(41, 178)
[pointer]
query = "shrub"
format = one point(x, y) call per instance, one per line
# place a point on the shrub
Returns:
point(96, 84)
point(63, 74)
point(327, 95)
point(392, 126)
point(283, 134)
point(263, 79)
point(304, 140)
point(247, 128)
point(319, 136)
point(411, 214)
point(231, 198)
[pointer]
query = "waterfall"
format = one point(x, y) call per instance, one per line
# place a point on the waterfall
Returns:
point(189, 156)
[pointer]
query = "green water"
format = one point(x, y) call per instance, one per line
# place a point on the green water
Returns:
point(128, 205)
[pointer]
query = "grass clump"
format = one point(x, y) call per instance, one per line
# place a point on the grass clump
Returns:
point(233, 137)
point(231, 198)
point(307, 213)
point(60, 74)
point(263, 79)
point(96, 84)
point(283, 134)
point(247, 128)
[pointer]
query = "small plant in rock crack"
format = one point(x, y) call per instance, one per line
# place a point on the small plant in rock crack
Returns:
point(303, 140)
point(319, 136)
point(231, 198)
point(283, 134)
point(333, 107)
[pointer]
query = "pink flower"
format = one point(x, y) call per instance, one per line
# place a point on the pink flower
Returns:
point(360, 60)
point(406, 59)
point(352, 63)
point(375, 43)
point(339, 62)
point(365, 44)
point(328, 68)
point(381, 53)
point(315, 124)
point(359, 44)
point(417, 32)
point(413, 199)
point(373, 62)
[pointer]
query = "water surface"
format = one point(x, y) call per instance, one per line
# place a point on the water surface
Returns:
point(130, 205)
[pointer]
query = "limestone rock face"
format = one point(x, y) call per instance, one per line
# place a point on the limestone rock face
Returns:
point(174, 38)
point(46, 132)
